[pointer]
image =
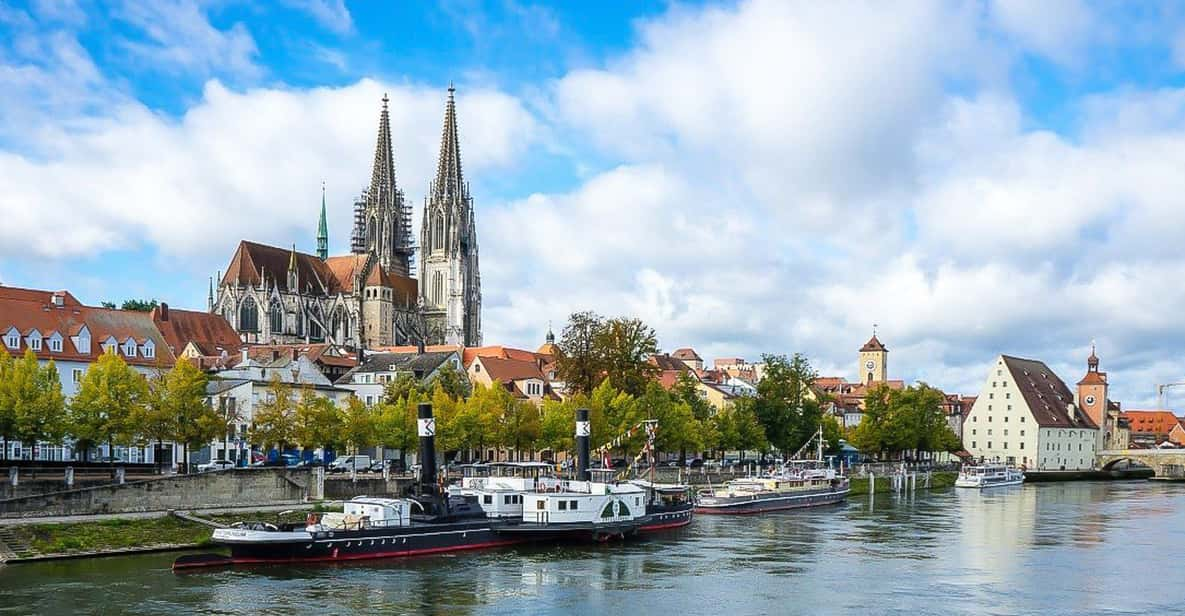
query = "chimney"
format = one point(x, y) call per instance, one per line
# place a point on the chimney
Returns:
point(164, 312)
point(427, 430)
point(244, 356)
point(583, 434)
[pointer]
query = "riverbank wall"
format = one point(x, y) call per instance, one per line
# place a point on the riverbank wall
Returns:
point(345, 488)
point(237, 487)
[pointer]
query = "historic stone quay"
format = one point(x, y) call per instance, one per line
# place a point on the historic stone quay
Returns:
point(940, 552)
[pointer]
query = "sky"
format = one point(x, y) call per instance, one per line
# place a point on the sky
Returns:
point(974, 178)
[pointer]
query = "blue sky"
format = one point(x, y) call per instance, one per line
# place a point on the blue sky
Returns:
point(976, 177)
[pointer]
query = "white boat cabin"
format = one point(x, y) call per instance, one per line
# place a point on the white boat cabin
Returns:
point(364, 512)
point(500, 487)
point(586, 502)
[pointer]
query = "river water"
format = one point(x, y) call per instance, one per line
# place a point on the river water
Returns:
point(1070, 548)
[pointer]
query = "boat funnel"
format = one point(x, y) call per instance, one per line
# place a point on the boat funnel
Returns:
point(427, 430)
point(583, 434)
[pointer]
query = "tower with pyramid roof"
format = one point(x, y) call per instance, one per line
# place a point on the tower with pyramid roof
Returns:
point(450, 280)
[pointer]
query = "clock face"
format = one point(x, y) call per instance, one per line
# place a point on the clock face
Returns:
point(1090, 399)
point(868, 364)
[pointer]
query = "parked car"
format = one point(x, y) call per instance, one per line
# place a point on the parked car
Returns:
point(215, 465)
point(619, 463)
point(109, 460)
point(695, 463)
point(393, 466)
point(345, 464)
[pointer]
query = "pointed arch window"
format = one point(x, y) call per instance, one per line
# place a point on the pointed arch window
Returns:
point(300, 323)
point(437, 289)
point(316, 331)
point(275, 315)
point(248, 316)
point(438, 233)
point(370, 233)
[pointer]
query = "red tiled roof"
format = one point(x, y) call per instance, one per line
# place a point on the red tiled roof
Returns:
point(1046, 395)
point(209, 332)
point(37, 295)
point(667, 362)
point(873, 344)
point(1151, 422)
point(26, 310)
point(505, 370)
point(687, 354)
point(334, 275)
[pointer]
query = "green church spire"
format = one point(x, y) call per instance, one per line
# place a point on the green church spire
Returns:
point(322, 230)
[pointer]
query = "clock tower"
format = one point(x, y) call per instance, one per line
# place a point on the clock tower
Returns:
point(1092, 391)
point(873, 361)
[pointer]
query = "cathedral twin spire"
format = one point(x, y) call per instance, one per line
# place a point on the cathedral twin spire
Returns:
point(449, 183)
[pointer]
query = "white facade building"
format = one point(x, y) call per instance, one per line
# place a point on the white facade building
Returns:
point(1026, 415)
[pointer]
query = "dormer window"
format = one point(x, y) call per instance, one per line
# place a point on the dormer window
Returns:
point(34, 340)
point(149, 350)
point(109, 345)
point(12, 339)
point(55, 343)
point(82, 342)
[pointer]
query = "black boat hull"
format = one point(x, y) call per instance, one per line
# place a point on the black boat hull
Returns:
point(370, 543)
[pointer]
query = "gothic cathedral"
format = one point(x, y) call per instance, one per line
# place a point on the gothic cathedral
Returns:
point(369, 299)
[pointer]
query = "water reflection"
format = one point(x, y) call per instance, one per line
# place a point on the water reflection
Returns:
point(1053, 549)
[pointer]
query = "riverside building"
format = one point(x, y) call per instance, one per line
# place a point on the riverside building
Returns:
point(1026, 415)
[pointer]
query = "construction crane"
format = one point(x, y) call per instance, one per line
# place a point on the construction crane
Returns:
point(1160, 393)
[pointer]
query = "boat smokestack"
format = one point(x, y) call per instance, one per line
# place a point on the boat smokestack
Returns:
point(583, 433)
point(427, 430)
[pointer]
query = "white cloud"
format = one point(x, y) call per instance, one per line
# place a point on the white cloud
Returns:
point(1058, 29)
point(331, 14)
point(178, 37)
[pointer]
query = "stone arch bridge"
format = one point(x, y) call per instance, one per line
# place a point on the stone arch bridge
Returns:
point(1165, 462)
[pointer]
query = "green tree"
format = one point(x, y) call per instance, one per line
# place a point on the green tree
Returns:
point(678, 429)
point(139, 305)
point(581, 363)
point(905, 420)
point(357, 425)
point(611, 413)
point(557, 426)
point(625, 346)
point(453, 381)
point(750, 432)
point(110, 395)
point(35, 396)
point(396, 427)
point(275, 422)
point(686, 388)
point(197, 423)
point(479, 418)
point(832, 433)
point(7, 405)
point(784, 405)
point(316, 422)
point(155, 420)
point(401, 387)
point(519, 426)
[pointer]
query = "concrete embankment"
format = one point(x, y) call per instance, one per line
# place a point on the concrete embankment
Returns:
point(238, 487)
